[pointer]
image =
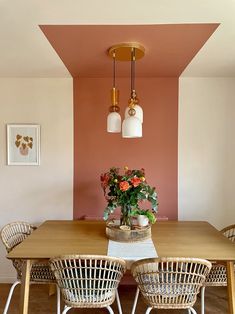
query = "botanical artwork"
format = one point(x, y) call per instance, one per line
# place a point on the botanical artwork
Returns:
point(23, 144)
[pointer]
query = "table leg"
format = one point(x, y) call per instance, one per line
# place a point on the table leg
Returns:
point(52, 289)
point(231, 288)
point(24, 293)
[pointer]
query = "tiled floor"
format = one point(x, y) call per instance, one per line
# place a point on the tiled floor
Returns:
point(41, 303)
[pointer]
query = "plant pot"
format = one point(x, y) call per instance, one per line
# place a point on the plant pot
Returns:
point(142, 220)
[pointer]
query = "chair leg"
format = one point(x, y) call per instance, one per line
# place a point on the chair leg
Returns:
point(10, 295)
point(118, 303)
point(135, 301)
point(149, 309)
point(58, 299)
point(202, 300)
point(193, 311)
point(110, 309)
point(66, 309)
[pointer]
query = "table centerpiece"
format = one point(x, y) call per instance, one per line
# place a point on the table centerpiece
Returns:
point(127, 190)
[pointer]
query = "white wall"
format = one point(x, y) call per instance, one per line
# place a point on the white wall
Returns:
point(37, 193)
point(207, 150)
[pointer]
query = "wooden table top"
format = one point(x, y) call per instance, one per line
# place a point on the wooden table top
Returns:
point(192, 239)
point(171, 238)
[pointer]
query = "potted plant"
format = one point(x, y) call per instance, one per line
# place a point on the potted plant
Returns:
point(126, 190)
point(144, 216)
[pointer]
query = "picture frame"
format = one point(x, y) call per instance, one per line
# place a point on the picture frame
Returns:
point(23, 144)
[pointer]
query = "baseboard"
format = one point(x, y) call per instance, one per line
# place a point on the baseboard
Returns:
point(7, 279)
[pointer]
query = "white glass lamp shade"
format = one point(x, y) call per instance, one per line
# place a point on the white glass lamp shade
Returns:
point(114, 122)
point(138, 112)
point(131, 127)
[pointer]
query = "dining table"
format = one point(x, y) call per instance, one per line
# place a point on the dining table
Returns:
point(171, 239)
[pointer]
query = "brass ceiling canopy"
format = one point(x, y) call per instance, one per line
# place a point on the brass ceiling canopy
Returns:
point(123, 51)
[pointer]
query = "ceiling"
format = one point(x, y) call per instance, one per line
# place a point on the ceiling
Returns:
point(168, 48)
point(26, 52)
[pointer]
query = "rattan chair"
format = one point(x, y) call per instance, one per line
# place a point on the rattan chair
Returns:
point(13, 234)
point(229, 232)
point(169, 283)
point(88, 281)
point(218, 274)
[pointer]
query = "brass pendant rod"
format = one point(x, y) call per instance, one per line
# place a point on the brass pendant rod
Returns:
point(114, 92)
point(114, 69)
point(132, 69)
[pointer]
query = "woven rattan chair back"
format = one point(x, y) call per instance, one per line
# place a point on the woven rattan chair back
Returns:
point(14, 233)
point(229, 232)
point(218, 273)
point(170, 283)
point(88, 281)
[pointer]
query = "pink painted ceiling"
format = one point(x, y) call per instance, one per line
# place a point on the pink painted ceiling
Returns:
point(169, 48)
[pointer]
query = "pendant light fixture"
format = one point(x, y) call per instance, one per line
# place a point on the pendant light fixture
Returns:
point(132, 124)
point(114, 118)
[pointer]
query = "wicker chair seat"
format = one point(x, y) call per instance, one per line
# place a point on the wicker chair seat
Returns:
point(40, 272)
point(167, 286)
point(170, 291)
point(217, 276)
point(80, 298)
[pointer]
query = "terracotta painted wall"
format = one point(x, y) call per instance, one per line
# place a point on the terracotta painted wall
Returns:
point(95, 150)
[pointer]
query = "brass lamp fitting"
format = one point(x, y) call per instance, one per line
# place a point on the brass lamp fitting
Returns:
point(114, 100)
point(132, 102)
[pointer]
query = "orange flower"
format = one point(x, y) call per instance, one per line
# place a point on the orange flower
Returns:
point(124, 186)
point(135, 181)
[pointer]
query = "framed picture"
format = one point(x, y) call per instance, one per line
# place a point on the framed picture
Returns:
point(23, 144)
